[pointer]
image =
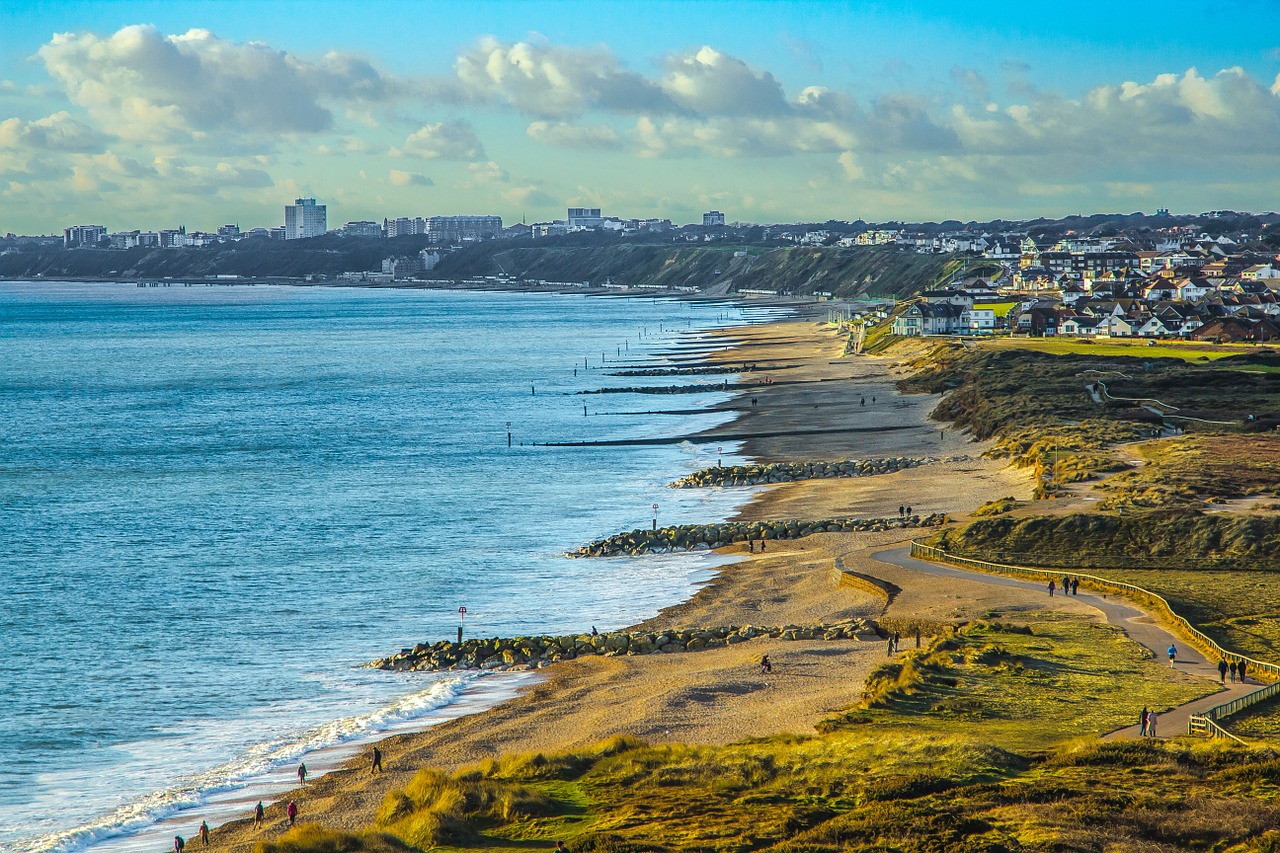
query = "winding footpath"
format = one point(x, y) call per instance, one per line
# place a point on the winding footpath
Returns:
point(1140, 626)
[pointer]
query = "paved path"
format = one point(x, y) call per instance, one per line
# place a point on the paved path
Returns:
point(1138, 624)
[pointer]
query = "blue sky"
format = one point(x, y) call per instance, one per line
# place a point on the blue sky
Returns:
point(154, 114)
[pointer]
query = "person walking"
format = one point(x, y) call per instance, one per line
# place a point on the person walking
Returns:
point(1052, 587)
point(1222, 670)
point(1151, 724)
point(377, 762)
point(302, 774)
point(908, 511)
point(178, 843)
point(766, 665)
point(1173, 654)
point(889, 653)
point(1240, 669)
point(902, 511)
point(1142, 722)
point(291, 811)
point(896, 639)
point(259, 816)
point(204, 833)
point(1233, 672)
point(1066, 585)
point(1075, 586)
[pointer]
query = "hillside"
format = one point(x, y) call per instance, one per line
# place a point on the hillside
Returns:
point(879, 271)
point(720, 268)
point(259, 256)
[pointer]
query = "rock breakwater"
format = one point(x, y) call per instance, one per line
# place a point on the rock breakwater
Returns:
point(669, 389)
point(704, 537)
point(789, 472)
point(685, 371)
point(525, 653)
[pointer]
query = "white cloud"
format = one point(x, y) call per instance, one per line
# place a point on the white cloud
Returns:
point(147, 86)
point(408, 179)
point(489, 173)
point(574, 136)
point(58, 132)
point(709, 82)
point(182, 177)
point(741, 137)
point(444, 140)
point(540, 79)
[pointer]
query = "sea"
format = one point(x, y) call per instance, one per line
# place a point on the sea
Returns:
point(217, 503)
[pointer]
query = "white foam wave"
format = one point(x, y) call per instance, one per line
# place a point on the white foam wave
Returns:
point(257, 760)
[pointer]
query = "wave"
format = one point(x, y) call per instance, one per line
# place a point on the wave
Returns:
point(254, 762)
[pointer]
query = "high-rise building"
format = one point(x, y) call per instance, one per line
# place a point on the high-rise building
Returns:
point(403, 226)
point(584, 217)
point(231, 232)
point(463, 229)
point(304, 218)
point(173, 238)
point(83, 235)
point(712, 218)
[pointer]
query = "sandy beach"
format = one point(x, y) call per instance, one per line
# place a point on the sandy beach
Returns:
point(813, 410)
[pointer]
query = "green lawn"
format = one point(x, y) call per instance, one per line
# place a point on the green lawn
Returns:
point(1186, 350)
point(1240, 610)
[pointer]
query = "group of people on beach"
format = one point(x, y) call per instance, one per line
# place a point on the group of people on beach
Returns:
point(1236, 668)
point(904, 511)
point(1070, 586)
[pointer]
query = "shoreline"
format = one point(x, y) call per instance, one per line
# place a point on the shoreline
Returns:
point(221, 807)
point(714, 695)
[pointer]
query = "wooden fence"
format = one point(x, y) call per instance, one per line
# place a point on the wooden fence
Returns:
point(1206, 723)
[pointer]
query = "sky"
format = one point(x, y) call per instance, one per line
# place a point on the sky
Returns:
point(152, 115)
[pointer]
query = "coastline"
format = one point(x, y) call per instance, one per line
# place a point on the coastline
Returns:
point(185, 788)
point(717, 696)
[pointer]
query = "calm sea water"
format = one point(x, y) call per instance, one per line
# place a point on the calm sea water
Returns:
point(216, 503)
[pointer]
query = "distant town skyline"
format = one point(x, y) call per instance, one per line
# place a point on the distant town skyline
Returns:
point(205, 113)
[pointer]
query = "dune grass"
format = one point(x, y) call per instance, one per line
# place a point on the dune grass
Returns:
point(956, 747)
point(1025, 684)
point(1197, 469)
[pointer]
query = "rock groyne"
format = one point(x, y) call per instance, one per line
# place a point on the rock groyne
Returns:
point(669, 389)
point(789, 472)
point(524, 653)
point(704, 537)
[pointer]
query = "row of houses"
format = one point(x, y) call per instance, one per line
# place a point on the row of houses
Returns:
point(1170, 306)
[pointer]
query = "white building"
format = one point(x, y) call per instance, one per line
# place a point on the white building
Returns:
point(304, 218)
point(584, 217)
point(83, 235)
point(712, 219)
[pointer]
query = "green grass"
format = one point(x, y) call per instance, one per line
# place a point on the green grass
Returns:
point(1261, 722)
point(1238, 609)
point(1024, 684)
point(1187, 351)
point(981, 742)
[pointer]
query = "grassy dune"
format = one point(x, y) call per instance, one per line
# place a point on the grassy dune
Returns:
point(980, 742)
